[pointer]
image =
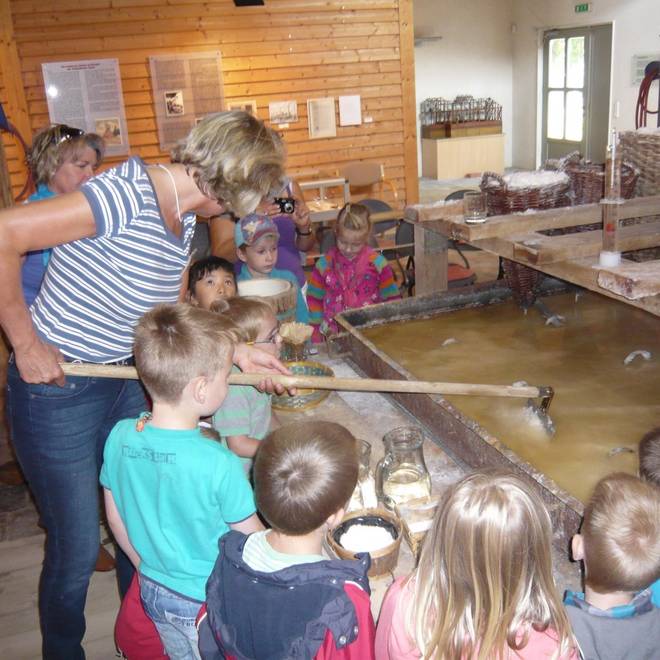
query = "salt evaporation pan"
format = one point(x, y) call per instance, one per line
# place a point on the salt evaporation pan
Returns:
point(365, 538)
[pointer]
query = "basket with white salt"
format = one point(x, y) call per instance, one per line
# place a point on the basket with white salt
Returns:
point(375, 531)
point(294, 337)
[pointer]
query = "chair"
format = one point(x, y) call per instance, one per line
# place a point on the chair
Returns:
point(404, 248)
point(362, 176)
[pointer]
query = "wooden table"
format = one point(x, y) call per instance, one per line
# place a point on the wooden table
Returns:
point(570, 257)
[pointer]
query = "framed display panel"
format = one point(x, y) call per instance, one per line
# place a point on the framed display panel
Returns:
point(186, 88)
point(87, 94)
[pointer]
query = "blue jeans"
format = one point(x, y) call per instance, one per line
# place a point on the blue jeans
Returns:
point(59, 434)
point(174, 617)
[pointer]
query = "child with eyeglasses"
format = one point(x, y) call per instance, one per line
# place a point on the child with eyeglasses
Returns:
point(245, 418)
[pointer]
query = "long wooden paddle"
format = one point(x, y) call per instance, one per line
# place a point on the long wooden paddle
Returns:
point(529, 392)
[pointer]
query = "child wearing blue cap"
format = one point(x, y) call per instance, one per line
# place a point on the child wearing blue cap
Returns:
point(256, 247)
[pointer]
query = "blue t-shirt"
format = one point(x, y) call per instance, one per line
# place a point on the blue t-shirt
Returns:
point(302, 313)
point(34, 264)
point(176, 492)
point(655, 593)
point(96, 289)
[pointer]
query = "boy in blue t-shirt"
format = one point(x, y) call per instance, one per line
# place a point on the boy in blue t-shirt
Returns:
point(170, 491)
point(256, 239)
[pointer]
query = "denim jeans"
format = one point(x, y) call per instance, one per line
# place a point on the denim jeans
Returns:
point(174, 616)
point(59, 434)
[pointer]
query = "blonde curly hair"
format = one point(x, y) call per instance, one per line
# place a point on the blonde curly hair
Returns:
point(234, 158)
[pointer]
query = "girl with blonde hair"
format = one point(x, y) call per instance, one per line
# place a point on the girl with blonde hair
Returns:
point(351, 274)
point(483, 587)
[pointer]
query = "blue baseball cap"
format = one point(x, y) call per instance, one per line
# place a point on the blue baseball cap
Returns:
point(251, 228)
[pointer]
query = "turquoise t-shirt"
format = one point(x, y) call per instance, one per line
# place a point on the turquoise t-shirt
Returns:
point(176, 492)
point(302, 313)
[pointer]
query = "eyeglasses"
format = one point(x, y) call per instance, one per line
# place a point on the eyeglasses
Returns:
point(272, 337)
point(63, 132)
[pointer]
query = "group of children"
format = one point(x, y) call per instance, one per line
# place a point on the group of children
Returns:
point(216, 584)
point(350, 274)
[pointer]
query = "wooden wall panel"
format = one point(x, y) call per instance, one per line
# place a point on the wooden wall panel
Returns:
point(288, 49)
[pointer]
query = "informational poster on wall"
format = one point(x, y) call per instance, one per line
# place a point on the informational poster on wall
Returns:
point(321, 119)
point(87, 94)
point(186, 88)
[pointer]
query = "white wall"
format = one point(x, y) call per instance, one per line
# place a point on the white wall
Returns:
point(473, 57)
point(636, 29)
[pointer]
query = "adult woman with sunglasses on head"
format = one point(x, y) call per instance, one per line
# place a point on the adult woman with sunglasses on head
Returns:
point(121, 245)
point(61, 159)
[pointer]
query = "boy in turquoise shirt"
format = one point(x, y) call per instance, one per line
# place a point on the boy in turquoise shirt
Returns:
point(170, 491)
point(256, 238)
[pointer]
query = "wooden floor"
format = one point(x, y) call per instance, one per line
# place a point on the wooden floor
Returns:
point(19, 625)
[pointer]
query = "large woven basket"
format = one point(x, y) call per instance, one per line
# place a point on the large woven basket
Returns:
point(503, 198)
point(588, 179)
point(642, 149)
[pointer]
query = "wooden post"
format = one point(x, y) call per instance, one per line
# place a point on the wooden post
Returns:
point(431, 261)
point(409, 106)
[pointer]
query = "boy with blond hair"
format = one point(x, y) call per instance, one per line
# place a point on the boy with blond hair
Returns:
point(170, 491)
point(649, 471)
point(273, 595)
point(649, 457)
point(619, 544)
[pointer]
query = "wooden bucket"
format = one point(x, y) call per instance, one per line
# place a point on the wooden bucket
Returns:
point(383, 560)
point(281, 295)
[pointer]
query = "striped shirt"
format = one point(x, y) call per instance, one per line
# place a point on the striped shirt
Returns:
point(245, 411)
point(96, 289)
point(260, 555)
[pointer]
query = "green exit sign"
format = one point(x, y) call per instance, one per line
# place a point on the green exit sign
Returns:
point(582, 7)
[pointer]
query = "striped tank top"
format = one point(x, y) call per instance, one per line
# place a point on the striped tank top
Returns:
point(96, 289)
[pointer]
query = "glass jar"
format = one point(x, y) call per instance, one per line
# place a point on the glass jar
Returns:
point(402, 475)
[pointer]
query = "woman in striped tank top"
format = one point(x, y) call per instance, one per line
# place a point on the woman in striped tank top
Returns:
point(121, 246)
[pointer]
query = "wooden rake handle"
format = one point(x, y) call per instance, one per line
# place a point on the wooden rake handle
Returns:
point(333, 382)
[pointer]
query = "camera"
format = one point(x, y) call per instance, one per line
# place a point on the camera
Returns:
point(287, 204)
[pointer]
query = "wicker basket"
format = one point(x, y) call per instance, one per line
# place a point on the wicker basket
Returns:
point(642, 149)
point(305, 398)
point(588, 179)
point(384, 560)
point(501, 198)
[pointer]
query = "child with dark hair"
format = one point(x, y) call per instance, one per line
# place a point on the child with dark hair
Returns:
point(619, 543)
point(210, 279)
point(272, 594)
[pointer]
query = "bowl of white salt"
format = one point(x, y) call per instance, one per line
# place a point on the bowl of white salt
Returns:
point(375, 531)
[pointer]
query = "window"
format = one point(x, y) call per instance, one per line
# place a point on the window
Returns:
point(565, 104)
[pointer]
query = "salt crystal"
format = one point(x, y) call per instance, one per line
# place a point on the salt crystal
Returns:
point(365, 538)
point(536, 179)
